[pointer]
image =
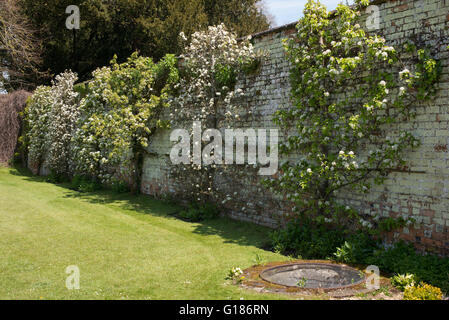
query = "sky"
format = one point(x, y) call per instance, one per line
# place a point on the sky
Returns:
point(286, 11)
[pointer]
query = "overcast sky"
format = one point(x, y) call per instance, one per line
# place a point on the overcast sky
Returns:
point(286, 11)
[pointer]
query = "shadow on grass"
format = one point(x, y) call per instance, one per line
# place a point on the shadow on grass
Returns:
point(25, 173)
point(231, 231)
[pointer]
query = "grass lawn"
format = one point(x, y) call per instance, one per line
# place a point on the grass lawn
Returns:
point(126, 247)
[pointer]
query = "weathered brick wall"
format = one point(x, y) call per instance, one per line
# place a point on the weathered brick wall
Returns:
point(421, 191)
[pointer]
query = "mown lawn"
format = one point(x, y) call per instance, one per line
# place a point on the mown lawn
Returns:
point(126, 247)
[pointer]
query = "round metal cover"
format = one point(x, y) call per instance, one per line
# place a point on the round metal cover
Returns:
point(313, 275)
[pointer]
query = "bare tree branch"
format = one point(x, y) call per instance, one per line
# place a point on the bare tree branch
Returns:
point(20, 49)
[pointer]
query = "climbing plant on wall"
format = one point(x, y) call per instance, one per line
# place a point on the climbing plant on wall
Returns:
point(211, 65)
point(38, 106)
point(120, 112)
point(348, 89)
point(51, 115)
point(63, 118)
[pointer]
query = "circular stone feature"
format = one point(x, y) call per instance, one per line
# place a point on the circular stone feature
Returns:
point(313, 275)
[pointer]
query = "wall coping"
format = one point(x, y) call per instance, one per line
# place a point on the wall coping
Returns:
point(292, 25)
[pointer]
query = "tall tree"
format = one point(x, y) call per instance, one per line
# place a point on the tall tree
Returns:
point(121, 27)
point(242, 16)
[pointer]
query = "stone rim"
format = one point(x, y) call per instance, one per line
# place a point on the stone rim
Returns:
point(263, 273)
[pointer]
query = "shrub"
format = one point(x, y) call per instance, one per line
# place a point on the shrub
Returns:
point(345, 253)
point(51, 115)
point(308, 238)
point(54, 177)
point(199, 212)
point(402, 281)
point(119, 186)
point(63, 116)
point(235, 273)
point(312, 240)
point(37, 119)
point(402, 258)
point(356, 248)
point(212, 63)
point(120, 111)
point(423, 292)
point(84, 184)
point(347, 94)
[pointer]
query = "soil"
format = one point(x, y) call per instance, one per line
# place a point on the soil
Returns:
point(253, 281)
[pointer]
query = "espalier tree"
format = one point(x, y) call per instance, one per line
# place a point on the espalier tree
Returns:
point(51, 117)
point(119, 114)
point(211, 64)
point(348, 90)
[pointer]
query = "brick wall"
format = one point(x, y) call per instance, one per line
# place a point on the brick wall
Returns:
point(421, 191)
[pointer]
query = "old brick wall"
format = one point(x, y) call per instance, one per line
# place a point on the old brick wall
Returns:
point(421, 190)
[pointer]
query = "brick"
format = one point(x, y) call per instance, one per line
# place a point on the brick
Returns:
point(423, 195)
